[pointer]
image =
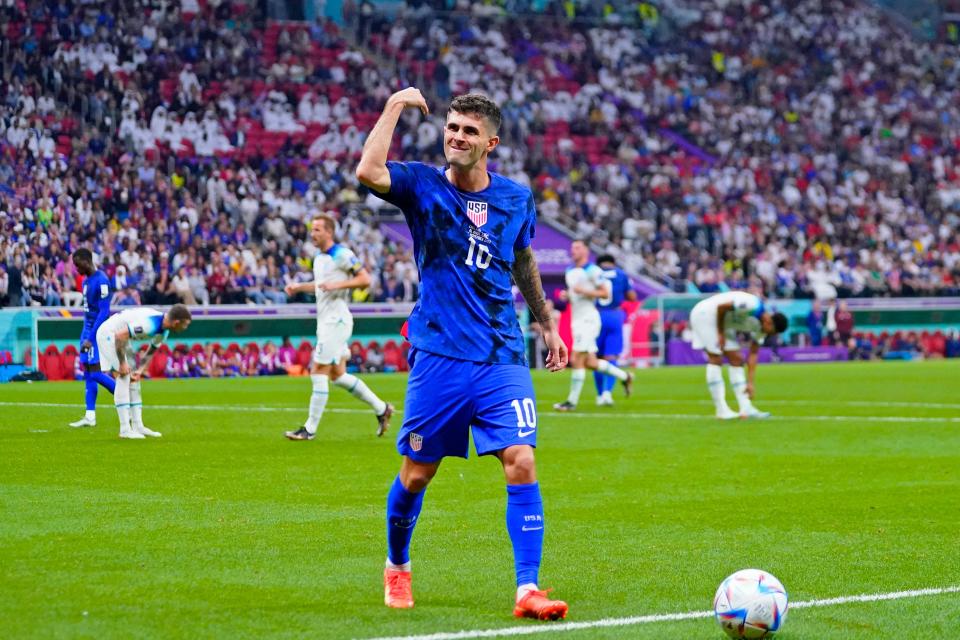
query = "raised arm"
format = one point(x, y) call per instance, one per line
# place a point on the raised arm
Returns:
point(526, 275)
point(372, 171)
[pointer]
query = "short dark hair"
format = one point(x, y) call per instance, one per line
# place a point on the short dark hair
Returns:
point(179, 312)
point(83, 254)
point(606, 258)
point(780, 322)
point(478, 105)
point(327, 221)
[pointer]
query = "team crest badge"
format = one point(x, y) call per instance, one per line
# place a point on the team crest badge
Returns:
point(477, 212)
point(416, 441)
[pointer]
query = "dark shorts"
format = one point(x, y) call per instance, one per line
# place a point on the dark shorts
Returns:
point(448, 398)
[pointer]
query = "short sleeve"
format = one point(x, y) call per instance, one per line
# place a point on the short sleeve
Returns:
point(403, 184)
point(347, 261)
point(529, 228)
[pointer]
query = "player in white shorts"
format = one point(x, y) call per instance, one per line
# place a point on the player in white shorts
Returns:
point(336, 270)
point(115, 339)
point(585, 285)
point(715, 323)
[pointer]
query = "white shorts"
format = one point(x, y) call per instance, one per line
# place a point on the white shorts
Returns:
point(703, 325)
point(585, 334)
point(332, 339)
point(107, 346)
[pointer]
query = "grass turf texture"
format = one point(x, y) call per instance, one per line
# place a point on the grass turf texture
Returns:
point(225, 529)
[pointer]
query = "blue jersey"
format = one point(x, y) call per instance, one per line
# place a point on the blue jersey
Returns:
point(96, 304)
point(464, 244)
point(619, 287)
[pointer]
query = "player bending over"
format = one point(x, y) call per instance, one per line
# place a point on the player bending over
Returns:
point(585, 286)
point(96, 310)
point(472, 230)
point(115, 340)
point(715, 323)
point(336, 270)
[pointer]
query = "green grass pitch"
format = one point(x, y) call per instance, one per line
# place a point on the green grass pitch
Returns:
point(224, 529)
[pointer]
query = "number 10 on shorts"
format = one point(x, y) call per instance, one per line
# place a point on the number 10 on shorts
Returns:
point(526, 416)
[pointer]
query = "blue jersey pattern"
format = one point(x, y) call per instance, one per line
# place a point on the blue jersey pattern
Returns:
point(464, 245)
point(619, 286)
point(96, 304)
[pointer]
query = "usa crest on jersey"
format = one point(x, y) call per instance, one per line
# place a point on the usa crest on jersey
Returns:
point(477, 212)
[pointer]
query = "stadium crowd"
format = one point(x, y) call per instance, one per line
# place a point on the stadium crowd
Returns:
point(806, 147)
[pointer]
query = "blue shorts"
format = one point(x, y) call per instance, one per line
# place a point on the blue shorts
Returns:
point(610, 340)
point(447, 398)
point(91, 355)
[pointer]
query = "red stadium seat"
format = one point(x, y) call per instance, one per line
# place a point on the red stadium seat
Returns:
point(158, 364)
point(68, 360)
point(50, 363)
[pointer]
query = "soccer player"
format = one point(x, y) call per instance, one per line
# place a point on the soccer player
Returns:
point(612, 319)
point(715, 323)
point(115, 338)
point(585, 286)
point(96, 310)
point(336, 270)
point(472, 230)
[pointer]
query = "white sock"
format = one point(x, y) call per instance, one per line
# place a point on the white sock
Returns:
point(717, 390)
point(90, 415)
point(136, 405)
point(361, 391)
point(608, 368)
point(121, 399)
point(738, 380)
point(398, 567)
point(577, 376)
point(318, 400)
point(524, 588)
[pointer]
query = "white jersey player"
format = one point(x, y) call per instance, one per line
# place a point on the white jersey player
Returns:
point(715, 323)
point(585, 285)
point(336, 270)
point(115, 339)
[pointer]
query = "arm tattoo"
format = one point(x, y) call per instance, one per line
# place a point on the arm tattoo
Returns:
point(527, 276)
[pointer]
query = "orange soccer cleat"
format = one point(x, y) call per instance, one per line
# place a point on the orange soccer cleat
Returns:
point(536, 604)
point(398, 589)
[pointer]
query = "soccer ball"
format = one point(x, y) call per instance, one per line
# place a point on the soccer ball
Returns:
point(750, 604)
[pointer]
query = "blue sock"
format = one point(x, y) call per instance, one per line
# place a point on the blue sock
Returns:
point(90, 388)
point(104, 380)
point(525, 526)
point(600, 381)
point(403, 509)
point(609, 382)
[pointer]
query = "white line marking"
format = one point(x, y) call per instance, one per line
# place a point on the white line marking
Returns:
point(660, 617)
point(817, 403)
point(551, 414)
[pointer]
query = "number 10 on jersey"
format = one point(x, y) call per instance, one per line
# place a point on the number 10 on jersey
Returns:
point(483, 255)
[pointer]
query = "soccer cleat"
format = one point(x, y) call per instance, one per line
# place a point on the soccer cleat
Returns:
point(754, 414)
point(383, 420)
point(130, 434)
point(300, 434)
point(397, 589)
point(566, 405)
point(536, 604)
point(628, 385)
point(605, 400)
point(83, 422)
point(727, 414)
point(150, 433)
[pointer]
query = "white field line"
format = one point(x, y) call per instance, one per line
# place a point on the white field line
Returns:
point(815, 403)
point(549, 414)
point(660, 617)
